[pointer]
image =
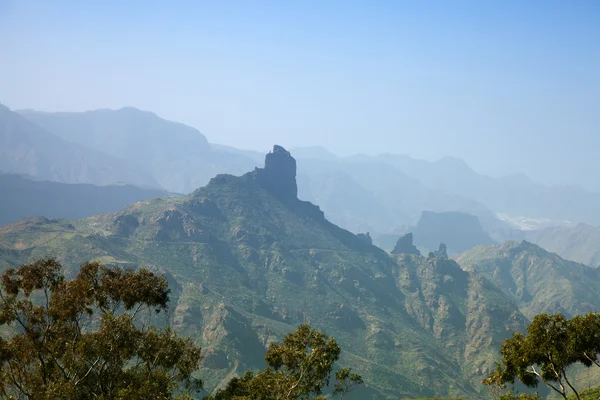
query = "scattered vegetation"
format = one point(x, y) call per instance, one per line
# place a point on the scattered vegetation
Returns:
point(82, 338)
point(298, 368)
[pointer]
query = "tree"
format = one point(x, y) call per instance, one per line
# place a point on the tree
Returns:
point(83, 339)
point(585, 338)
point(296, 369)
point(552, 344)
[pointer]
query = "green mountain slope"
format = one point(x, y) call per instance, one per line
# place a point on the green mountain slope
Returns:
point(538, 280)
point(250, 261)
point(23, 197)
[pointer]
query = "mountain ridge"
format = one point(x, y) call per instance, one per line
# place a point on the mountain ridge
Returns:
point(253, 261)
point(540, 281)
point(177, 155)
point(25, 197)
point(26, 148)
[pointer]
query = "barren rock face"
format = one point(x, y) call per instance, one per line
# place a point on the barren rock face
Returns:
point(279, 173)
point(405, 245)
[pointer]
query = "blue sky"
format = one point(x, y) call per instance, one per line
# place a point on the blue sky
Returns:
point(508, 86)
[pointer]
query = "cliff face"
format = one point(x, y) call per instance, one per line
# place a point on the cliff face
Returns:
point(279, 174)
point(459, 231)
point(405, 245)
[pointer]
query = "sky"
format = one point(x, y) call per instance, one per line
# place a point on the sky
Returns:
point(507, 86)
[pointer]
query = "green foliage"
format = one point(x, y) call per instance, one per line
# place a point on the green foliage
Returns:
point(296, 369)
point(81, 338)
point(520, 396)
point(553, 343)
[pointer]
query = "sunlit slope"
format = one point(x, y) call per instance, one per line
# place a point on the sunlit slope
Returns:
point(539, 281)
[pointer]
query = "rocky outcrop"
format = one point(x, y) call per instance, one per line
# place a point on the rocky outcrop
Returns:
point(279, 174)
point(442, 252)
point(125, 225)
point(405, 245)
point(365, 238)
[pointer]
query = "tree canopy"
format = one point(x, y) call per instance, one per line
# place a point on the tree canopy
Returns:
point(83, 338)
point(297, 368)
point(553, 343)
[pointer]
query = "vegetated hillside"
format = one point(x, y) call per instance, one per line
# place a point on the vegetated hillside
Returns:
point(541, 282)
point(178, 156)
point(26, 148)
point(23, 197)
point(459, 231)
point(250, 262)
point(580, 243)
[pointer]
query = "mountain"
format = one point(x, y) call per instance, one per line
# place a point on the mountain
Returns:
point(346, 202)
point(580, 243)
point(26, 148)
point(23, 197)
point(178, 156)
point(458, 231)
point(249, 261)
point(377, 197)
point(516, 194)
point(541, 282)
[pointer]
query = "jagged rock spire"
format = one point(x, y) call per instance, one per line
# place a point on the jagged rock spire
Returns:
point(279, 174)
point(405, 245)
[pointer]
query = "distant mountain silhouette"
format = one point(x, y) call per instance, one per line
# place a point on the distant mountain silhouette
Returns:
point(458, 231)
point(513, 194)
point(178, 156)
point(26, 148)
point(23, 197)
point(377, 197)
point(580, 243)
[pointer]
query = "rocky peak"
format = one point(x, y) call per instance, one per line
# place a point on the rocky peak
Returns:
point(365, 238)
point(442, 252)
point(405, 245)
point(279, 174)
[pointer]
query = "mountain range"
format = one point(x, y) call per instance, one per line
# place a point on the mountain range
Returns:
point(26, 148)
point(178, 156)
point(248, 261)
point(25, 197)
point(235, 249)
point(381, 194)
point(580, 243)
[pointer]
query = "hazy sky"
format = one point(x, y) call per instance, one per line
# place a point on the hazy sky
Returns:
point(509, 86)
